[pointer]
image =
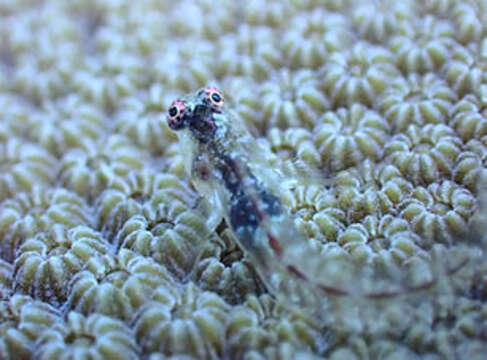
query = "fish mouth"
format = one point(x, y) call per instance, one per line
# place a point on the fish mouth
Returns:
point(201, 111)
point(201, 123)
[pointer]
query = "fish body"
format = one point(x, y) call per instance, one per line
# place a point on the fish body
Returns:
point(236, 174)
point(241, 180)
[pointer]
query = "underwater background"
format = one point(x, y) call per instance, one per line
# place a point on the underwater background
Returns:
point(102, 252)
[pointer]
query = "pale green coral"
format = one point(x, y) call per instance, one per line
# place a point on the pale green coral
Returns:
point(468, 170)
point(90, 169)
point(466, 71)
point(66, 123)
point(312, 36)
point(294, 143)
point(378, 21)
point(5, 279)
point(223, 269)
point(191, 323)
point(347, 136)
point(357, 75)
point(104, 250)
point(273, 15)
point(140, 118)
point(469, 119)
point(257, 51)
point(169, 232)
point(116, 286)
point(46, 263)
point(424, 154)
point(96, 336)
point(439, 212)
point(23, 321)
point(23, 165)
point(417, 100)
point(15, 113)
point(371, 189)
point(469, 19)
point(292, 100)
point(260, 324)
point(423, 45)
point(43, 210)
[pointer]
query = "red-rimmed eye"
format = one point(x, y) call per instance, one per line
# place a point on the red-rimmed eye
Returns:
point(175, 115)
point(215, 97)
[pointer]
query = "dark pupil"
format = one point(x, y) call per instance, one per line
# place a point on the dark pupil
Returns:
point(173, 111)
point(215, 97)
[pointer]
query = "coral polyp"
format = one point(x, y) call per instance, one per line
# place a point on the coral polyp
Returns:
point(465, 73)
point(347, 136)
point(378, 21)
point(23, 165)
point(294, 99)
point(93, 336)
point(439, 212)
point(357, 75)
point(416, 100)
point(423, 45)
point(191, 323)
point(116, 286)
point(312, 36)
point(425, 154)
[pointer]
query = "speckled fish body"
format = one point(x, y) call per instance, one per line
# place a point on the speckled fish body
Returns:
point(233, 172)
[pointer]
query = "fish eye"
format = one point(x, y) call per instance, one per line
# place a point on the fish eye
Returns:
point(175, 112)
point(215, 97)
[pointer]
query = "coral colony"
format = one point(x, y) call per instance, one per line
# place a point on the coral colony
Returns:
point(318, 193)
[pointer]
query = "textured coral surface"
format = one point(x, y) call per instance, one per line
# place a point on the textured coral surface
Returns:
point(103, 254)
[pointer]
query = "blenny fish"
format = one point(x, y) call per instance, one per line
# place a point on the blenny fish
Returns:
point(240, 180)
